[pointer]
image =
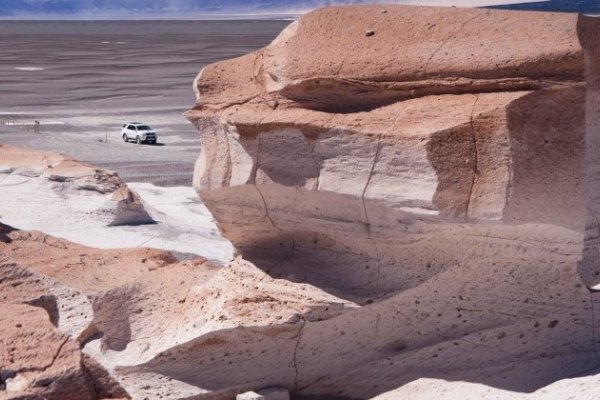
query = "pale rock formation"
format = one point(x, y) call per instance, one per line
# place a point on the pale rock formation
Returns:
point(249, 396)
point(590, 40)
point(439, 173)
point(434, 389)
point(59, 196)
point(414, 212)
point(86, 193)
point(147, 319)
point(306, 176)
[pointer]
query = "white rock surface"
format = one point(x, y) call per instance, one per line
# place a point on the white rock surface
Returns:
point(87, 210)
point(249, 396)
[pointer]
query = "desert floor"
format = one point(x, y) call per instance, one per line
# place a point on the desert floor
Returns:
point(83, 80)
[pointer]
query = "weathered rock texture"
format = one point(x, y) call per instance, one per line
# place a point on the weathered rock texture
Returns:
point(83, 193)
point(143, 321)
point(439, 172)
point(590, 40)
point(414, 208)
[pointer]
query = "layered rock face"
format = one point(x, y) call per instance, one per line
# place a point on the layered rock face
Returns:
point(330, 141)
point(590, 40)
point(434, 166)
point(412, 192)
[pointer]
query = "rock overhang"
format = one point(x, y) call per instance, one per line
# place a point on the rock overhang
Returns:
point(481, 88)
point(445, 159)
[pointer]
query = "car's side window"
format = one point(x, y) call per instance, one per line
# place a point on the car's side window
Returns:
point(130, 127)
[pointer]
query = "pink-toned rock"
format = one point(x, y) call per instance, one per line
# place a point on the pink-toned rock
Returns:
point(37, 360)
point(330, 142)
point(589, 35)
point(438, 172)
point(409, 207)
point(143, 319)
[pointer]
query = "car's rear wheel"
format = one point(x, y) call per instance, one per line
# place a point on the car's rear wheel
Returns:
point(125, 138)
point(138, 140)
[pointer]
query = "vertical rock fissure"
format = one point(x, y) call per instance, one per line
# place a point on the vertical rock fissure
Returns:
point(51, 363)
point(593, 326)
point(509, 183)
point(227, 176)
point(441, 46)
point(295, 355)
point(366, 215)
point(57, 353)
point(255, 166)
point(264, 201)
point(259, 54)
point(258, 189)
point(362, 197)
point(475, 158)
point(377, 324)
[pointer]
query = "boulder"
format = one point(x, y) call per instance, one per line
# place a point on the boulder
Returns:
point(46, 184)
point(37, 360)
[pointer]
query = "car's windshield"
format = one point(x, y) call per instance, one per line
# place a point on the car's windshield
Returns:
point(143, 128)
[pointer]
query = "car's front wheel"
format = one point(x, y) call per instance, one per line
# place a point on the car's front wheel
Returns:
point(138, 140)
point(125, 138)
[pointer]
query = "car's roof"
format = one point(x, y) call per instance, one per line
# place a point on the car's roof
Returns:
point(135, 123)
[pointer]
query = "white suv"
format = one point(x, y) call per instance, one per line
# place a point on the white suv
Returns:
point(138, 132)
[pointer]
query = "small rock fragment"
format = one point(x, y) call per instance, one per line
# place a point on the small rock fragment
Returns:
point(369, 32)
point(249, 396)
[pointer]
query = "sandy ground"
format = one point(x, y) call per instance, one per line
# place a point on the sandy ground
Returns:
point(82, 80)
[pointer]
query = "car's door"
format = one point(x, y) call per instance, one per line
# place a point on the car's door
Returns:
point(130, 132)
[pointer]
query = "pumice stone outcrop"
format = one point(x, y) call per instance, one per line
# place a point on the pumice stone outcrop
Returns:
point(413, 195)
point(440, 173)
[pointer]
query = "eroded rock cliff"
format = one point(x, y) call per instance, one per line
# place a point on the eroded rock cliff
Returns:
point(412, 194)
point(85, 323)
point(434, 166)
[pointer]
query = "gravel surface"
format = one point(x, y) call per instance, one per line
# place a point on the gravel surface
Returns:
point(82, 80)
